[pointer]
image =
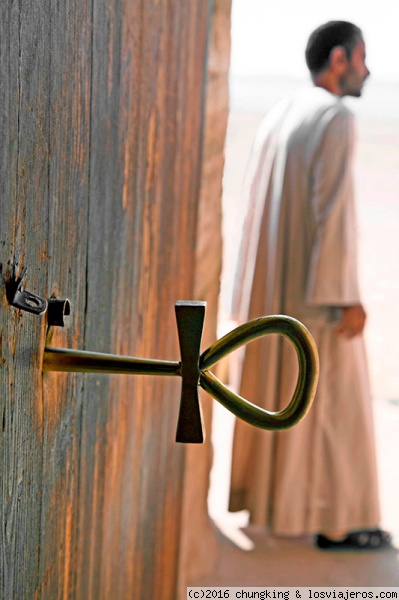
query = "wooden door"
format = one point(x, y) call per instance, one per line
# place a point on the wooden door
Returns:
point(101, 118)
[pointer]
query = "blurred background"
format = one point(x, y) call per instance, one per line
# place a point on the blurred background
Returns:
point(267, 62)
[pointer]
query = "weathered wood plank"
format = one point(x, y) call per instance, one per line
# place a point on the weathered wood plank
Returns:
point(24, 181)
point(152, 184)
point(69, 139)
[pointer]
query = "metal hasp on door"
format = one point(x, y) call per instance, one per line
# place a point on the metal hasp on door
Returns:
point(194, 369)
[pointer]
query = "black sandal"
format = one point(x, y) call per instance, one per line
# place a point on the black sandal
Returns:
point(373, 539)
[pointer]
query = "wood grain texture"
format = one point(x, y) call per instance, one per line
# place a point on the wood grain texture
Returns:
point(24, 226)
point(103, 106)
point(70, 31)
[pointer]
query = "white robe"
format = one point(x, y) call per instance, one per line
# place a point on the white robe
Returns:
point(298, 258)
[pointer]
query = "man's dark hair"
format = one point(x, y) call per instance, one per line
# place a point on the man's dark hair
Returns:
point(325, 38)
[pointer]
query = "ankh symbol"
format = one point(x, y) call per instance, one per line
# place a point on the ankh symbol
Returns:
point(194, 369)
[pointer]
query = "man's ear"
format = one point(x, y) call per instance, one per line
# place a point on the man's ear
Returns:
point(338, 60)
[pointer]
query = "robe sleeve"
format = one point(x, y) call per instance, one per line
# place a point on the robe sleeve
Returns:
point(332, 277)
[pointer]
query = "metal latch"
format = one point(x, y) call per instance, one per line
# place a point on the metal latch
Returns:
point(20, 298)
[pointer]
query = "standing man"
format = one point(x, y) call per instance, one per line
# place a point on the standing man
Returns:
point(298, 258)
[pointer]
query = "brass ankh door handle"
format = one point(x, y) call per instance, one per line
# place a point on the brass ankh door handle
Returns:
point(194, 369)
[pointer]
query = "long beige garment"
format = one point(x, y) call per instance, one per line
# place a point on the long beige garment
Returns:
point(298, 257)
